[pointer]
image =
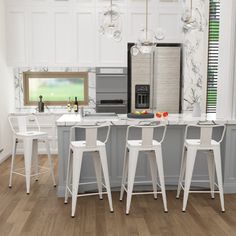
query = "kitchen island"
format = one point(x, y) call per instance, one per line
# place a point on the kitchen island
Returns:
point(172, 150)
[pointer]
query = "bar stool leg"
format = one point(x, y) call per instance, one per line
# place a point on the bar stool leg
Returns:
point(77, 162)
point(103, 158)
point(98, 172)
point(28, 146)
point(190, 160)
point(68, 176)
point(124, 174)
point(50, 162)
point(133, 158)
point(35, 158)
point(153, 168)
point(12, 160)
point(182, 172)
point(211, 170)
point(159, 163)
point(217, 158)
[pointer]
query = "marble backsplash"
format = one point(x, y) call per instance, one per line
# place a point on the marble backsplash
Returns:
point(195, 46)
point(18, 84)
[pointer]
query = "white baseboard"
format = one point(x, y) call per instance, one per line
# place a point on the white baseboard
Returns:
point(4, 156)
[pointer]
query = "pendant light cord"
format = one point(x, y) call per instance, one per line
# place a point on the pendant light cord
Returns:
point(191, 8)
point(111, 12)
point(146, 18)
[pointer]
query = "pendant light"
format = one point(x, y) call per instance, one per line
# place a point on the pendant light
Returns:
point(148, 39)
point(187, 18)
point(111, 24)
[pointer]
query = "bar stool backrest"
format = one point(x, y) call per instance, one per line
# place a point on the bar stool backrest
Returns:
point(206, 131)
point(206, 135)
point(147, 133)
point(91, 136)
point(91, 133)
point(20, 123)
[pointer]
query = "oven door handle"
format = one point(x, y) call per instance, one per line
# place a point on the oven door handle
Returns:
point(112, 105)
point(111, 75)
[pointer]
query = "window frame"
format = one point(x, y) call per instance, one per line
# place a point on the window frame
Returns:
point(27, 75)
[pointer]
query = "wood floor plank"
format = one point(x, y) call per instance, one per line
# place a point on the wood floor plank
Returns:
point(42, 213)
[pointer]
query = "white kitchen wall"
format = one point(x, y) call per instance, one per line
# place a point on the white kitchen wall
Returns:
point(6, 91)
point(226, 95)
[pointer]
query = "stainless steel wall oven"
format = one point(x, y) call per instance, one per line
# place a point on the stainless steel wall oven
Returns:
point(111, 90)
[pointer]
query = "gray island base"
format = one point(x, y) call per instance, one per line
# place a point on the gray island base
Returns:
point(172, 152)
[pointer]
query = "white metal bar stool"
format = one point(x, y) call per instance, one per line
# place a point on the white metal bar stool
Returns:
point(77, 148)
point(212, 148)
point(153, 149)
point(30, 138)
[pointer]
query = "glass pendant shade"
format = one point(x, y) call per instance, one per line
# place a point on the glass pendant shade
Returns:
point(111, 24)
point(187, 18)
point(147, 39)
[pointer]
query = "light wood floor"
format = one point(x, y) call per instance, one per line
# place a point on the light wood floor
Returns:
point(42, 213)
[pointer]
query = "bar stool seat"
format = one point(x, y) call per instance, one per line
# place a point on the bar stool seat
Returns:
point(82, 144)
point(74, 164)
point(210, 147)
point(153, 149)
point(34, 134)
point(30, 140)
point(196, 142)
point(138, 143)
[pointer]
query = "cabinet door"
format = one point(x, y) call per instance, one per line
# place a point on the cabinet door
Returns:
point(65, 43)
point(86, 33)
point(16, 30)
point(41, 34)
point(110, 52)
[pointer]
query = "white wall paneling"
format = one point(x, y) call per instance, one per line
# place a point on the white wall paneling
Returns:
point(6, 83)
point(226, 60)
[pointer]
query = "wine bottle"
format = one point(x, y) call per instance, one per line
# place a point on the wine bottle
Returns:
point(76, 105)
point(41, 104)
point(69, 105)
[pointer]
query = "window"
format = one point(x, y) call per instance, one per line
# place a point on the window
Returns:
point(213, 55)
point(55, 87)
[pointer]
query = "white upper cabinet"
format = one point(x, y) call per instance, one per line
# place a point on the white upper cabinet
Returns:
point(64, 38)
point(110, 52)
point(85, 37)
point(65, 32)
point(40, 35)
point(16, 36)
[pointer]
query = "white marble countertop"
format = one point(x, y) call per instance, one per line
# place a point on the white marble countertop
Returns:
point(50, 111)
point(173, 119)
